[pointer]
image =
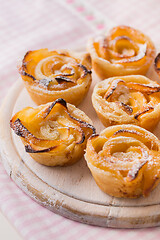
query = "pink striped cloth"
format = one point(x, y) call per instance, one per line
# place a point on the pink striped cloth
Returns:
point(27, 25)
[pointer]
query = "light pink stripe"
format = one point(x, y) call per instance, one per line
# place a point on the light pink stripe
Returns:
point(47, 226)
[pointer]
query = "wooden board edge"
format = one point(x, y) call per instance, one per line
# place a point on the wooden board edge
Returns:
point(94, 214)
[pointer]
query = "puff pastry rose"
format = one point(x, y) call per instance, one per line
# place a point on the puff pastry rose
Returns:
point(124, 160)
point(157, 64)
point(54, 133)
point(129, 99)
point(124, 51)
point(49, 75)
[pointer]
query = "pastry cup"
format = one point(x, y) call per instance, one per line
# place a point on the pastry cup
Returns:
point(131, 99)
point(49, 75)
point(54, 133)
point(124, 160)
point(124, 51)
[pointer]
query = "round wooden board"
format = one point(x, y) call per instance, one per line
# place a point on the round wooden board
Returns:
point(70, 191)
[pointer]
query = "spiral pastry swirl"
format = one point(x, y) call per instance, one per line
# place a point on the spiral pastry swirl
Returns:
point(125, 51)
point(49, 75)
point(130, 99)
point(54, 133)
point(124, 160)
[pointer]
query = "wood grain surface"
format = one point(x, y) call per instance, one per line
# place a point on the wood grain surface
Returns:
point(70, 191)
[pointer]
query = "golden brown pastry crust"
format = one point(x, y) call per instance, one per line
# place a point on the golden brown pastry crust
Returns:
point(129, 99)
point(124, 160)
point(49, 75)
point(54, 133)
point(124, 51)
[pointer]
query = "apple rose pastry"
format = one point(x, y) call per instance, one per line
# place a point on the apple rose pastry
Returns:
point(54, 133)
point(124, 160)
point(124, 51)
point(49, 75)
point(129, 99)
point(157, 64)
